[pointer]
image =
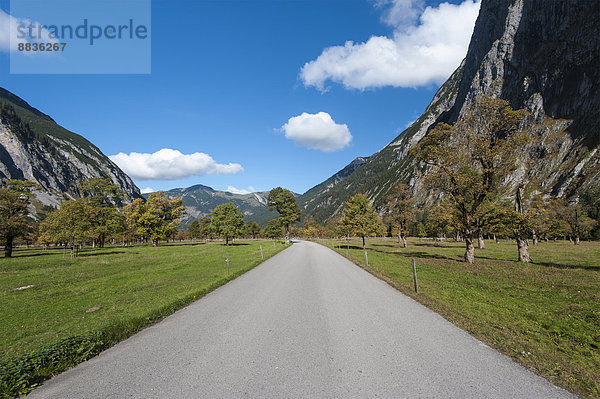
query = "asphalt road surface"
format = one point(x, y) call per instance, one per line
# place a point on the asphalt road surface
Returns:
point(307, 323)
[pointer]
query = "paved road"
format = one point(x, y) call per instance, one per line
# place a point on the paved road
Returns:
point(305, 324)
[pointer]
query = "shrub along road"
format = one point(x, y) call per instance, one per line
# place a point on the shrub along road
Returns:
point(306, 323)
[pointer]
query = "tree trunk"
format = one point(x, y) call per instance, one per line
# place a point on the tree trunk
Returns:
point(523, 250)
point(470, 249)
point(404, 245)
point(287, 234)
point(155, 242)
point(534, 238)
point(496, 239)
point(522, 244)
point(363, 238)
point(8, 247)
point(227, 241)
point(399, 238)
point(577, 240)
point(480, 240)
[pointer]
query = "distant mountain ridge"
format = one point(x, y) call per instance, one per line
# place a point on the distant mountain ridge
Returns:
point(201, 200)
point(35, 148)
point(537, 54)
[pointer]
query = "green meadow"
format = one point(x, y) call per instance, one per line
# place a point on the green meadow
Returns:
point(53, 324)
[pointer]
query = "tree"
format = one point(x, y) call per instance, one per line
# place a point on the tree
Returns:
point(518, 222)
point(284, 202)
point(360, 218)
point(14, 213)
point(470, 159)
point(155, 219)
point(252, 228)
point(442, 220)
point(273, 229)
point(590, 199)
point(227, 221)
point(104, 198)
point(194, 229)
point(400, 208)
point(205, 228)
point(182, 235)
point(311, 229)
point(70, 224)
point(102, 192)
point(576, 218)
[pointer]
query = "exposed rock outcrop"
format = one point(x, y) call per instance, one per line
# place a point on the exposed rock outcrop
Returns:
point(543, 55)
point(33, 147)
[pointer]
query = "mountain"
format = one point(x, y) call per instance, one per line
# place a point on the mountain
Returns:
point(201, 200)
point(34, 147)
point(543, 55)
point(313, 201)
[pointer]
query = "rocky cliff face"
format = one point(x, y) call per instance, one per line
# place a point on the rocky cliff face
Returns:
point(33, 147)
point(543, 55)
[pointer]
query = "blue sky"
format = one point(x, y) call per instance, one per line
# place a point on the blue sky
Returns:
point(230, 79)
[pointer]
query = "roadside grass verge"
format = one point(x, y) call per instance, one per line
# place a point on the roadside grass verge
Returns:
point(45, 329)
point(545, 315)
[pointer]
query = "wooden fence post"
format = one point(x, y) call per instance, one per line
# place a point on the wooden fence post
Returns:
point(415, 276)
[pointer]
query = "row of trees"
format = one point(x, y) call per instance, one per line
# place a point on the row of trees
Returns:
point(467, 165)
point(99, 215)
point(227, 222)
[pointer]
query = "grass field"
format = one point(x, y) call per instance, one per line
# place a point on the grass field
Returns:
point(132, 287)
point(545, 315)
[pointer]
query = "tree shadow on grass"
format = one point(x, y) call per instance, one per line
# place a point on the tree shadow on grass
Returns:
point(559, 266)
point(181, 244)
point(16, 254)
point(546, 264)
point(100, 253)
point(427, 255)
point(387, 245)
point(405, 253)
point(440, 244)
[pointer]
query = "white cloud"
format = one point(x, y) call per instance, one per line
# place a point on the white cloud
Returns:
point(317, 131)
point(400, 13)
point(9, 35)
point(147, 190)
point(168, 164)
point(417, 54)
point(234, 190)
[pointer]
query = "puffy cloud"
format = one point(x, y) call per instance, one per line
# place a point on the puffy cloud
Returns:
point(317, 131)
point(168, 164)
point(416, 55)
point(9, 38)
point(147, 190)
point(400, 13)
point(234, 190)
